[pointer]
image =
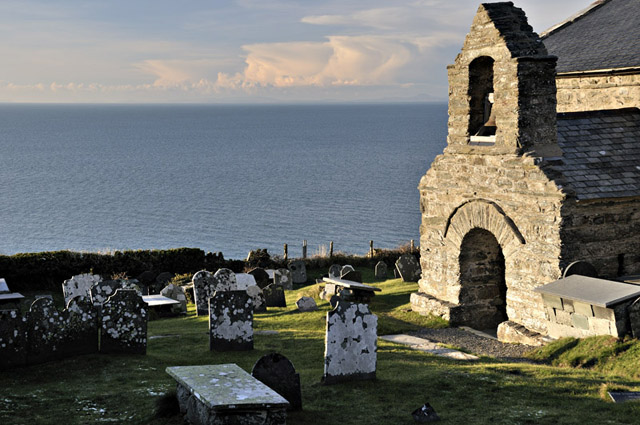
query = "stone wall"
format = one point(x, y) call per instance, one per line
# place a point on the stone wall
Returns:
point(605, 234)
point(596, 92)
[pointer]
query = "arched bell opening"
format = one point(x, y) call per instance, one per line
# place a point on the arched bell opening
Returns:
point(483, 290)
point(482, 122)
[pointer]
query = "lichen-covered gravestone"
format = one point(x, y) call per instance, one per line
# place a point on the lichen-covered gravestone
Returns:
point(79, 332)
point(124, 323)
point(381, 270)
point(334, 270)
point(79, 285)
point(257, 296)
point(350, 343)
point(230, 321)
point(408, 268)
point(274, 296)
point(283, 278)
point(205, 284)
point(298, 271)
point(305, 304)
point(261, 276)
point(44, 325)
point(13, 339)
point(277, 372)
point(244, 281)
point(175, 292)
point(103, 290)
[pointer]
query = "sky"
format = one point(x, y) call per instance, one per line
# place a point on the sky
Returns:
point(238, 51)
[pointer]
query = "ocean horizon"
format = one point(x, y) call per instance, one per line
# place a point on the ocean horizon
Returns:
point(227, 178)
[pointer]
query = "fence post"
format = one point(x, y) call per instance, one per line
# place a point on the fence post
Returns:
point(371, 249)
point(330, 249)
point(304, 248)
point(286, 252)
point(413, 246)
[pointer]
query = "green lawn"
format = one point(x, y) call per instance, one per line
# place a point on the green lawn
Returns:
point(125, 389)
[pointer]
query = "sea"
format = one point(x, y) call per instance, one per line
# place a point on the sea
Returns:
point(224, 178)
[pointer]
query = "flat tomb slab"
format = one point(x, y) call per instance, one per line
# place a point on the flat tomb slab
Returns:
point(599, 292)
point(350, 284)
point(158, 300)
point(11, 296)
point(226, 387)
point(622, 396)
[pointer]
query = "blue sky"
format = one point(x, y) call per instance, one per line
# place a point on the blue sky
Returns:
point(228, 51)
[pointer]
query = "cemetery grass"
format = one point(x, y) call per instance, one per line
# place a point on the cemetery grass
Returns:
point(126, 388)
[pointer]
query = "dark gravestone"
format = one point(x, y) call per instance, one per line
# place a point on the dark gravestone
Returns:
point(334, 270)
point(206, 284)
point(408, 268)
point(101, 291)
point(13, 339)
point(426, 413)
point(381, 270)
point(124, 323)
point(276, 372)
point(261, 276)
point(230, 321)
point(334, 300)
point(79, 333)
point(146, 279)
point(580, 267)
point(274, 296)
point(161, 281)
point(353, 275)
point(44, 326)
point(298, 271)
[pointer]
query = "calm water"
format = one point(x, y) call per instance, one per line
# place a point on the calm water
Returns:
point(221, 178)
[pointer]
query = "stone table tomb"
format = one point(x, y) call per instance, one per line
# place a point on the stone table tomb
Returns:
point(348, 290)
point(226, 394)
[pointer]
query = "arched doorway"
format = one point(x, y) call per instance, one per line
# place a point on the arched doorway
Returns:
point(483, 290)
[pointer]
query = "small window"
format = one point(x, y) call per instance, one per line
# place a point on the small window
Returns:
point(482, 123)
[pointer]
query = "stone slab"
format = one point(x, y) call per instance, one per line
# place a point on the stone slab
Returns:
point(11, 297)
point(428, 346)
point(226, 386)
point(351, 284)
point(3, 286)
point(622, 396)
point(600, 292)
point(158, 300)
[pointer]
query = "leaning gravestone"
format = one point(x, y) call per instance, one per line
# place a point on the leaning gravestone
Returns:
point(79, 332)
point(283, 278)
point(44, 325)
point(381, 270)
point(13, 339)
point(408, 268)
point(277, 372)
point(334, 271)
point(305, 304)
point(206, 283)
point(274, 296)
point(634, 318)
point(79, 285)
point(346, 269)
point(101, 291)
point(298, 271)
point(350, 344)
point(257, 296)
point(261, 276)
point(175, 292)
point(124, 323)
point(230, 321)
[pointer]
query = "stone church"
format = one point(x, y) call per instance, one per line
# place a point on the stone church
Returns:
point(541, 168)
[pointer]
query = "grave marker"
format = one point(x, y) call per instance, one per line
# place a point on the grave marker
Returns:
point(79, 285)
point(274, 296)
point(102, 290)
point(283, 278)
point(257, 296)
point(298, 271)
point(381, 270)
point(79, 332)
point(408, 268)
point(334, 270)
point(124, 323)
point(230, 321)
point(261, 276)
point(277, 372)
point(176, 292)
point(13, 339)
point(44, 326)
point(305, 304)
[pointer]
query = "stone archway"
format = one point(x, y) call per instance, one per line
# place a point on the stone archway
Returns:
point(483, 290)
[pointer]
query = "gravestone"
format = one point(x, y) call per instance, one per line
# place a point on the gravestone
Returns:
point(274, 296)
point(4, 288)
point(44, 326)
point(346, 269)
point(161, 281)
point(424, 414)
point(79, 331)
point(334, 270)
point(283, 278)
point(79, 285)
point(305, 304)
point(124, 323)
point(230, 321)
point(580, 267)
point(298, 271)
point(277, 372)
point(102, 290)
point(350, 344)
point(206, 284)
point(175, 292)
point(13, 339)
point(257, 296)
point(261, 276)
point(244, 280)
point(634, 318)
point(147, 280)
point(408, 268)
point(352, 275)
point(381, 270)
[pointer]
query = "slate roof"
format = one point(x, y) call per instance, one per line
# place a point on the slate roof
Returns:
point(601, 152)
point(606, 35)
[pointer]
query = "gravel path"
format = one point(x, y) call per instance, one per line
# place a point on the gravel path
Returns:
point(476, 344)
